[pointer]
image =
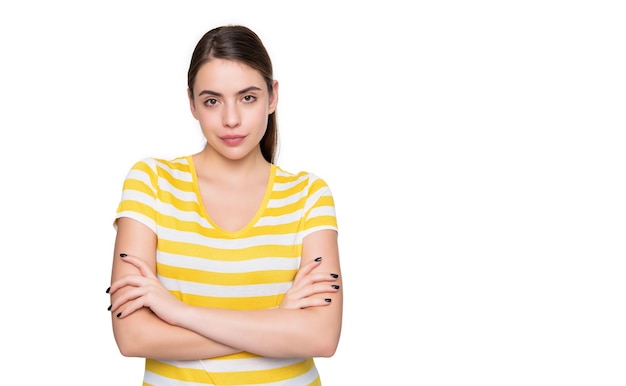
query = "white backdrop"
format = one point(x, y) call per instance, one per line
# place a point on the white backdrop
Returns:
point(475, 151)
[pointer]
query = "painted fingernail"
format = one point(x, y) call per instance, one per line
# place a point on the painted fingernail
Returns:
point(119, 314)
point(109, 309)
point(108, 289)
point(318, 258)
point(335, 286)
point(328, 300)
point(334, 275)
point(122, 255)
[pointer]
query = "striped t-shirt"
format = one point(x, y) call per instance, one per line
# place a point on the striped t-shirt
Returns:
point(204, 265)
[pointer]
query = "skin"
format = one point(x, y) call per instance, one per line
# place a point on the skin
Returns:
point(231, 103)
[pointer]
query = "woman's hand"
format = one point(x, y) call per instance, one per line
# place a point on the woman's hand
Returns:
point(147, 291)
point(306, 284)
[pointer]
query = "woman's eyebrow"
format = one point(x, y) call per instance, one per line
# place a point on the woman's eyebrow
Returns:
point(244, 91)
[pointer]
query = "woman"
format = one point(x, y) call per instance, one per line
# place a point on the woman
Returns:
point(226, 267)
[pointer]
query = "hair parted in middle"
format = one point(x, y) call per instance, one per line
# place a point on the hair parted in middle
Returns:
point(238, 43)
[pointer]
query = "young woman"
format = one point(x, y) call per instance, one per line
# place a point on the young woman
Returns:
point(226, 267)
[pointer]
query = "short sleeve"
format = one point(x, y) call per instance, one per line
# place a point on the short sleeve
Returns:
point(319, 211)
point(139, 194)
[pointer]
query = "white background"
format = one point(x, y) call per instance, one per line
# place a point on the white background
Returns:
point(475, 151)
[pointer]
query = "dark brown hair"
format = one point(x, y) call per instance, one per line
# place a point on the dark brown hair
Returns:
point(235, 42)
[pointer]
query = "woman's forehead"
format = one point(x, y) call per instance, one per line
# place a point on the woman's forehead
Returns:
point(222, 71)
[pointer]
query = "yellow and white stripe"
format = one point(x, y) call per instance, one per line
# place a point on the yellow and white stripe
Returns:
point(207, 266)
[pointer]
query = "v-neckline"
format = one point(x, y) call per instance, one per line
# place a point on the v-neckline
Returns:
point(255, 218)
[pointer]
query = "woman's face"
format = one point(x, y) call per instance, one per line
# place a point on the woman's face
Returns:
point(232, 103)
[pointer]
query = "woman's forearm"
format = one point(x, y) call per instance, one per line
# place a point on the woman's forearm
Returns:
point(145, 335)
point(154, 324)
point(280, 333)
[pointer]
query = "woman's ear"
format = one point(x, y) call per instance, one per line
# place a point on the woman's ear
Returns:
point(273, 98)
point(192, 106)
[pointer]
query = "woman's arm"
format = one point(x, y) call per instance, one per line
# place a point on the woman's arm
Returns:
point(143, 334)
point(305, 332)
point(312, 331)
point(140, 333)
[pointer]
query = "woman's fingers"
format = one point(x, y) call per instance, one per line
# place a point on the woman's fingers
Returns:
point(125, 281)
point(302, 300)
point(308, 285)
point(133, 282)
point(139, 263)
point(313, 278)
point(307, 268)
point(143, 290)
point(132, 279)
point(315, 289)
point(128, 303)
point(313, 302)
point(138, 287)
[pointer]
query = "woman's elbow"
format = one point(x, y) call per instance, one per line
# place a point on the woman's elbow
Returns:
point(326, 346)
point(130, 342)
point(127, 347)
point(325, 343)
point(127, 351)
point(327, 351)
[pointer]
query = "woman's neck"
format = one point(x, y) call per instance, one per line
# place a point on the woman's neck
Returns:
point(211, 165)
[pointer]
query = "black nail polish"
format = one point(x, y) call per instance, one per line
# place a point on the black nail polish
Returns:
point(328, 300)
point(108, 289)
point(318, 258)
point(109, 309)
point(119, 314)
point(123, 255)
point(335, 286)
point(334, 275)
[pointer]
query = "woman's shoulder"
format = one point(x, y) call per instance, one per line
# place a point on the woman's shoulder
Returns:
point(154, 169)
point(181, 163)
point(287, 174)
point(300, 177)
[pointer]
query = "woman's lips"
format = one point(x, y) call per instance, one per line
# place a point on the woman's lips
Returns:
point(233, 140)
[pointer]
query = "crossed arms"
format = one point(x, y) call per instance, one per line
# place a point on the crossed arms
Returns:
point(150, 322)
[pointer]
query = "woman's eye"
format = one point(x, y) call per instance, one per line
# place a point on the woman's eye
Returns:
point(210, 102)
point(249, 98)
